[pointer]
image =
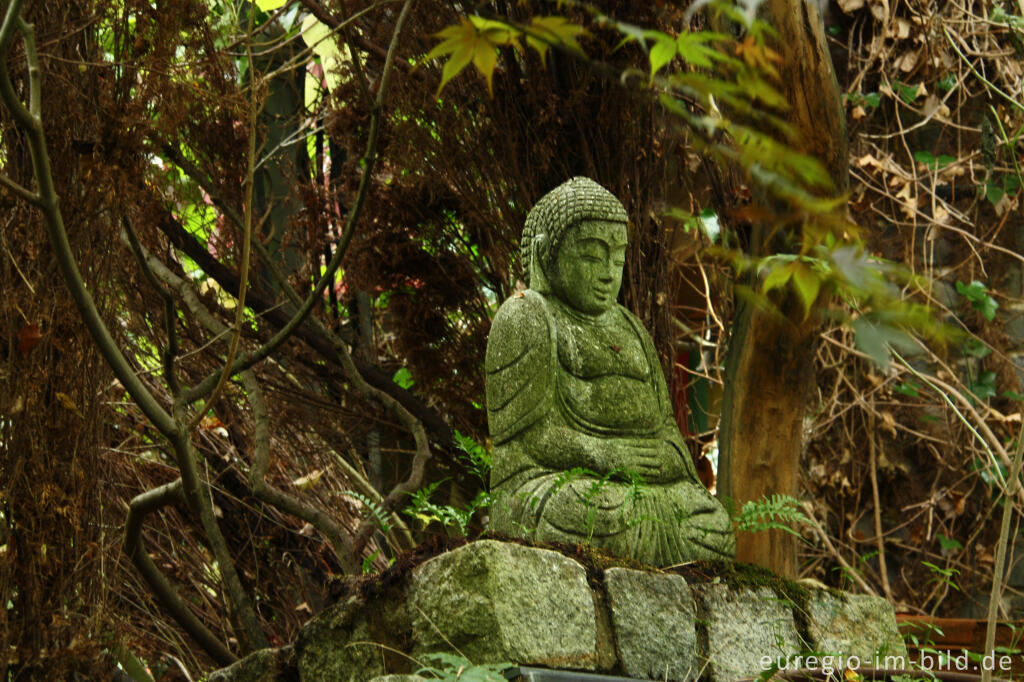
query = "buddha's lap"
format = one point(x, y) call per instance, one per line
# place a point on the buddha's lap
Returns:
point(594, 507)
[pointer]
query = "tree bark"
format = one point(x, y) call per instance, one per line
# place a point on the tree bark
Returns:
point(769, 367)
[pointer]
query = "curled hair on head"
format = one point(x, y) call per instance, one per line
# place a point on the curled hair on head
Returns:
point(562, 208)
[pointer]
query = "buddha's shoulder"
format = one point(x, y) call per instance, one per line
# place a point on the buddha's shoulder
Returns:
point(519, 330)
point(522, 312)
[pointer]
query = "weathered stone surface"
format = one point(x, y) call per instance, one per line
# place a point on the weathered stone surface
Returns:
point(496, 602)
point(653, 617)
point(265, 665)
point(499, 602)
point(351, 641)
point(574, 385)
point(323, 650)
point(742, 625)
point(853, 625)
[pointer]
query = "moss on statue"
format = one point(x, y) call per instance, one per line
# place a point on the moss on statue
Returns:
point(586, 445)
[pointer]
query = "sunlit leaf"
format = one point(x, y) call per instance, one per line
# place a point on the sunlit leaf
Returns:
point(662, 53)
point(695, 48)
point(270, 5)
point(554, 30)
point(475, 40)
point(807, 283)
point(778, 276)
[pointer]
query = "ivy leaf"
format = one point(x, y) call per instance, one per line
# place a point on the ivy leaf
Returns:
point(977, 293)
point(976, 348)
point(984, 386)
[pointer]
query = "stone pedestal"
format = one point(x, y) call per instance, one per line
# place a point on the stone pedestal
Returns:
point(497, 602)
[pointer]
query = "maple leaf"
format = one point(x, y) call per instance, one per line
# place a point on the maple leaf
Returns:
point(547, 31)
point(475, 40)
point(759, 56)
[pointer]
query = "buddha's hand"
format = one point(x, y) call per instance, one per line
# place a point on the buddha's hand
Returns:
point(657, 462)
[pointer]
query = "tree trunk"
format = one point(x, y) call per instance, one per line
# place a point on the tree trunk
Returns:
point(770, 363)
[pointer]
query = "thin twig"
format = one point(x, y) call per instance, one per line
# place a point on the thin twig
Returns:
point(823, 536)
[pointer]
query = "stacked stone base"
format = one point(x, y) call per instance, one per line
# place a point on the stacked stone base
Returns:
point(494, 602)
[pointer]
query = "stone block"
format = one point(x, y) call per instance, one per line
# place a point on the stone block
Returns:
point(653, 618)
point(741, 626)
point(857, 625)
point(352, 640)
point(497, 602)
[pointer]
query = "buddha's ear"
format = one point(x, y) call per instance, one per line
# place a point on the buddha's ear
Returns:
point(538, 278)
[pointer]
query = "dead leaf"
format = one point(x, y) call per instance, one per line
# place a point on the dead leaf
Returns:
point(908, 61)
point(858, 113)
point(28, 337)
point(309, 480)
point(850, 6)
point(68, 403)
point(902, 28)
point(933, 106)
point(1005, 204)
point(211, 422)
point(889, 422)
point(880, 9)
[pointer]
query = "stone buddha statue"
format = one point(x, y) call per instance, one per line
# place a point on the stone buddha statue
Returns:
point(586, 449)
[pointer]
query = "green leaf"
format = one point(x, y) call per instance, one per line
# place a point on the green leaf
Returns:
point(948, 544)
point(946, 83)
point(778, 276)
point(984, 386)
point(994, 193)
point(485, 58)
point(694, 48)
point(270, 5)
point(927, 158)
point(908, 93)
point(403, 377)
point(874, 337)
point(662, 53)
point(976, 348)
point(553, 30)
point(909, 388)
point(873, 99)
point(808, 284)
point(1013, 395)
point(977, 293)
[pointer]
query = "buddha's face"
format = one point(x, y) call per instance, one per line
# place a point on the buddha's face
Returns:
point(588, 269)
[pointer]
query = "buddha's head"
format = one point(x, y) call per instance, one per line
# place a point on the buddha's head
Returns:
point(574, 244)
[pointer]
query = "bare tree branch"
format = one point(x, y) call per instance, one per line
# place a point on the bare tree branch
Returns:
point(19, 191)
point(143, 505)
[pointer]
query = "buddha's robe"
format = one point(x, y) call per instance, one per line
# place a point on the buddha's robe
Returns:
point(571, 401)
